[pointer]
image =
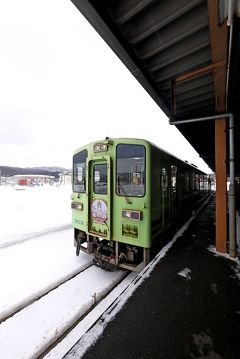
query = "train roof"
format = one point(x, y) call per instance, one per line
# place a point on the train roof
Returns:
point(125, 139)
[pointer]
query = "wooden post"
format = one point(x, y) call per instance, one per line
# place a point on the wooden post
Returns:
point(221, 190)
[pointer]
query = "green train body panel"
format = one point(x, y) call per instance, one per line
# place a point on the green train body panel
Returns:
point(116, 228)
point(125, 203)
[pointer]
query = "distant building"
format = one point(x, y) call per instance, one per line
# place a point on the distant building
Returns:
point(32, 180)
point(65, 178)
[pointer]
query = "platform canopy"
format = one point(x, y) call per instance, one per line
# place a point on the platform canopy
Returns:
point(183, 53)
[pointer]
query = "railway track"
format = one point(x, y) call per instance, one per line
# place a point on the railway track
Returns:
point(81, 325)
point(45, 291)
point(30, 236)
point(30, 270)
point(46, 320)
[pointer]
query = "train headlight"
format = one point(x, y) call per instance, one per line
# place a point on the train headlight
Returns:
point(126, 214)
point(136, 215)
point(100, 147)
point(76, 205)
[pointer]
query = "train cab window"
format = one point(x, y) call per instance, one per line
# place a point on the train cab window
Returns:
point(79, 172)
point(130, 170)
point(100, 178)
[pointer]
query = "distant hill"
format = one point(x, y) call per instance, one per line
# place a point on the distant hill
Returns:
point(7, 171)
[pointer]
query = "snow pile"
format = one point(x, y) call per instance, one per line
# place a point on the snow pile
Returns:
point(185, 273)
point(213, 249)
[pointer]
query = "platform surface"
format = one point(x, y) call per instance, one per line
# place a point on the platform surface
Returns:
point(188, 308)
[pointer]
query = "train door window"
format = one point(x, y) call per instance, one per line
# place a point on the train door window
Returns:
point(100, 178)
point(130, 170)
point(79, 172)
point(173, 178)
point(164, 178)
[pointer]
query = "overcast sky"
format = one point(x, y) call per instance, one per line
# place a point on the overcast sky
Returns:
point(62, 87)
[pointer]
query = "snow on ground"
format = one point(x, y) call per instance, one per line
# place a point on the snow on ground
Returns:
point(212, 249)
point(33, 267)
point(28, 333)
point(33, 211)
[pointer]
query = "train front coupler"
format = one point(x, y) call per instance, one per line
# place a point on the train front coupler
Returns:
point(80, 239)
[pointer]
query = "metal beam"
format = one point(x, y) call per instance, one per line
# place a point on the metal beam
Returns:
point(214, 66)
point(195, 73)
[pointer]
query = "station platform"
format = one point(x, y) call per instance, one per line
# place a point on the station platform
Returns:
point(189, 307)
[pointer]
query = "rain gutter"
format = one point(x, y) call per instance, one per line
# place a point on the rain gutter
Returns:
point(231, 10)
point(231, 193)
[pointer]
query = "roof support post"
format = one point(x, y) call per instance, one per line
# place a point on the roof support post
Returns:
point(221, 190)
point(231, 201)
point(221, 180)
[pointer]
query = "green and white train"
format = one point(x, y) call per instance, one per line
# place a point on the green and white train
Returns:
point(126, 192)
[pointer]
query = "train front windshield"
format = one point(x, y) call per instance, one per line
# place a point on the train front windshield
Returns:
point(131, 170)
point(79, 172)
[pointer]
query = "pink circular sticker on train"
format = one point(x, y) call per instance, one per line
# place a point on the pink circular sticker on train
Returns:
point(99, 210)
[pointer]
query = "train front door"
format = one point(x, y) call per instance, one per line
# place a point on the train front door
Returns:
point(99, 191)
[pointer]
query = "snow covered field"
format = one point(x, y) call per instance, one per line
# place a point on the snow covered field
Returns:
point(32, 268)
point(33, 211)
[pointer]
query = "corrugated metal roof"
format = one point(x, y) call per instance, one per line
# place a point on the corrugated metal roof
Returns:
point(159, 41)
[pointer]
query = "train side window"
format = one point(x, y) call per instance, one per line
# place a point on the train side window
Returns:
point(192, 181)
point(187, 181)
point(164, 178)
point(100, 178)
point(181, 182)
point(131, 170)
point(173, 178)
point(79, 172)
point(200, 181)
point(197, 182)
